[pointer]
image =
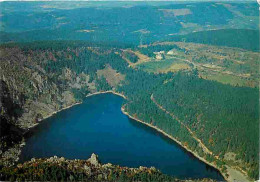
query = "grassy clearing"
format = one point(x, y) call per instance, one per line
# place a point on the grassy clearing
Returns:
point(177, 67)
point(141, 58)
point(227, 79)
point(163, 66)
point(112, 76)
point(176, 12)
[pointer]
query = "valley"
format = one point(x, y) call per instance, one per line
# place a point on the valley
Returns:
point(111, 72)
point(189, 82)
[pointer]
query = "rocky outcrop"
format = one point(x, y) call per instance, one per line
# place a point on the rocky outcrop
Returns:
point(61, 169)
point(94, 160)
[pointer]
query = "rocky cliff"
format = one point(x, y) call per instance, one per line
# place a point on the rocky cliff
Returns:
point(29, 92)
point(39, 79)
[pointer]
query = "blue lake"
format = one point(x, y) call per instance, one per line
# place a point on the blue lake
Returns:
point(98, 126)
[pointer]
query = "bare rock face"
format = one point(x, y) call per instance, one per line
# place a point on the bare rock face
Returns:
point(94, 160)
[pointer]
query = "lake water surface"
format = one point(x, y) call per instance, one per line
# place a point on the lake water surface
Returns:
point(98, 126)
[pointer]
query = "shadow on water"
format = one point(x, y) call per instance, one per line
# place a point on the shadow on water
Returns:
point(47, 123)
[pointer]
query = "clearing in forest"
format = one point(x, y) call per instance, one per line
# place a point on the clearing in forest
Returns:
point(112, 77)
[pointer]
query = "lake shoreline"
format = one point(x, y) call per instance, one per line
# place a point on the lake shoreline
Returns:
point(49, 115)
point(175, 140)
point(74, 104)
point(233, 176)
point(138, 120)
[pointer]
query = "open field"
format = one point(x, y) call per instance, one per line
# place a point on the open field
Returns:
point(227, 79)
point(232, 66)
point(164, 66)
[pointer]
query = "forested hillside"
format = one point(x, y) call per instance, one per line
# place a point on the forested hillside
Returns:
point(242, 38)
point(47, 76)
point(131, 22)
point(225, 118)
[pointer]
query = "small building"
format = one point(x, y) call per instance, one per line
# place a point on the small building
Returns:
point(159, 56)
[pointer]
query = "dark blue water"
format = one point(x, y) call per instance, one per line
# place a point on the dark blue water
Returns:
point(98, 126)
